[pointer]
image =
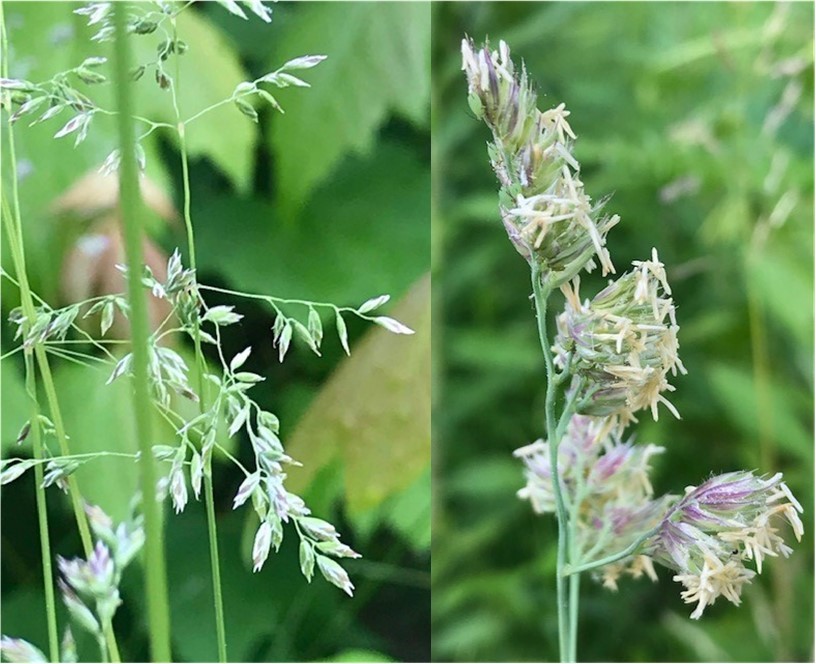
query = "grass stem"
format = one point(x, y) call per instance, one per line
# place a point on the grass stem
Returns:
point(541, 295)
point(42, 512)
point(212, 531)
point(158, 615)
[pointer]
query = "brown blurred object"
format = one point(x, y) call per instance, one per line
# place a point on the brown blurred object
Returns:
point(89, 266)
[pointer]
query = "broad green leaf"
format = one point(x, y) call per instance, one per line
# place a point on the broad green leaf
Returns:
point(378, 63)
point(374, 412)
point(208, 74)
point(410, 512)
point(100, 417)
point(345, 248)
point(407, 513)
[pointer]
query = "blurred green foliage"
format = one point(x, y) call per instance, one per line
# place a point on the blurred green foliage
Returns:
point(328, 201)
point(699, 118)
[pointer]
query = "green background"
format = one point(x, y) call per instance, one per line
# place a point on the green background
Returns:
point(328, 202)
point(669, 102)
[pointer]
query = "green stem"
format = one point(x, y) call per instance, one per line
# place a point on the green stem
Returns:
point(570, 570)
point(103, 650)
point(42, 514)
point(575, 588)
point(563, 601)
point(216, 569)
point(574, 579)
point(215, 565)
point(580, 494)
point(131, 213)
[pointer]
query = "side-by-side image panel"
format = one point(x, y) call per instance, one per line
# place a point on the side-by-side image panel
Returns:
point(623, 326)
point(216, 331)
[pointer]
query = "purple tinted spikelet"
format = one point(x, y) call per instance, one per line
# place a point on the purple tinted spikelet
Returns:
point(18, 650)
point(610, 479)
point(707, 536)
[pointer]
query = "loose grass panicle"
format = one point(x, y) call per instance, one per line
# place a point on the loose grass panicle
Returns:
point(221, 389)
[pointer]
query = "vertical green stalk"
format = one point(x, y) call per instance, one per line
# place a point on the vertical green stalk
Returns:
point(215, 565)
point(574, 579)
point(563, 599)
point(131, 213)
point(437, 310)
point(42, 513)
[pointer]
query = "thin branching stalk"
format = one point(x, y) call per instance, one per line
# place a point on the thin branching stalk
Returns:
point(131, 215)
point(209, 499)
point(574, 570)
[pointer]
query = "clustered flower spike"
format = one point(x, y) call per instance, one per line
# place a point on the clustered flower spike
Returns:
point(621, 345)
point(610, 478)
point(547, 215)
point(618, 349)
point(707, 536)
point(90, 588)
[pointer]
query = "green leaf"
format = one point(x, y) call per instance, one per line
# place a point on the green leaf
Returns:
point(374, 412)
point(100, 417)
point(378, 63)
point(409, 513)
point(356, 220)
